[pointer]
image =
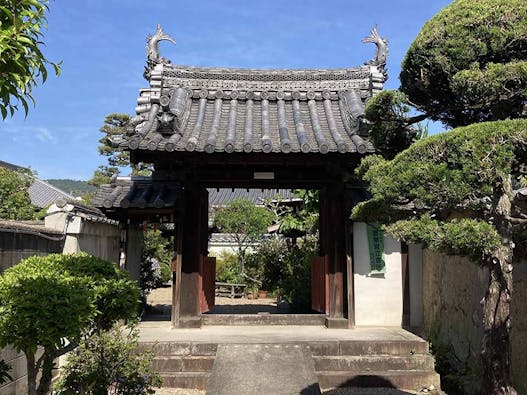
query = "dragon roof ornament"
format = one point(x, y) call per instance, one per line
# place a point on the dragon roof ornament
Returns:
point(152, 50)
point(382, 50)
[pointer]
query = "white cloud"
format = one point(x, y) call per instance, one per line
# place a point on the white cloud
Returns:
point(44, 135)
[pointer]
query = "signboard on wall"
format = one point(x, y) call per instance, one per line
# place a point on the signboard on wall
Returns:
point(376, 247)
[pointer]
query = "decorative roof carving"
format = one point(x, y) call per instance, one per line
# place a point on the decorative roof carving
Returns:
point(382, 50)
point(152, 50)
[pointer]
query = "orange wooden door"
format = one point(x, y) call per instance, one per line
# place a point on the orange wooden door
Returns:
point(319, 284)
point(207, 276)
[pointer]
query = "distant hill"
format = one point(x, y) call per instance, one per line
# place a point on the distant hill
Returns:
point(73, 187)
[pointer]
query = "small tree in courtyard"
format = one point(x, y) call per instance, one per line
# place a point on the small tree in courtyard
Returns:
point(50, 303)
point(245, 221)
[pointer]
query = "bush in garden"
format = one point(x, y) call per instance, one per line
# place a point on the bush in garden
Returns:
point(51, 302)
point(295, 285)
point(267, 263)
point(108, 363)
point(166, 273)
point(227, 267)
point(156, 262)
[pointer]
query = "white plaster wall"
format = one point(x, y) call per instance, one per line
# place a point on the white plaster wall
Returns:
point(95, 238)
point(415, 263)
point(378, 298)
point(134, 248)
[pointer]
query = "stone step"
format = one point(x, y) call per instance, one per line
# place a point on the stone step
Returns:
point(191, 380)
point(361, 347)
point(254, 369)
point(179, 348)
point(366, 363)
point(263, 319)
point(404, 380)
point(189, 363)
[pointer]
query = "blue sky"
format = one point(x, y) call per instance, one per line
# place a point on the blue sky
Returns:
point(102, 46)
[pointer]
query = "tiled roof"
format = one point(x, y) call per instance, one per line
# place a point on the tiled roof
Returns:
point(142, 192)
point(246, 110)
point(137, 192)
point(223, 196)
point(43, 194)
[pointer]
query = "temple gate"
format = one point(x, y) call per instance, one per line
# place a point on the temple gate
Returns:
point(206, 127)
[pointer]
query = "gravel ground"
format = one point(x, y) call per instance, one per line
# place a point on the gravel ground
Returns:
point(161, 299)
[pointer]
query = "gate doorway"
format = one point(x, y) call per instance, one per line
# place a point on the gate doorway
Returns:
point(282, 268)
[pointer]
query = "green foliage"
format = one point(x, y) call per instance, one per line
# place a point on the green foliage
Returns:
point(470, 237)
point(286, 270)
point(22, 63)
point(53, 301)
point(267, 263)
point(102, 175)
point(45, 301)
point(16, 204)
point(298, 223)
point(295, 284)
point(4, 372)
point(227, 267)
point(391, 130)
point(242, 217)
point(42, 304)
point(115, 125)
point(440, 177)
point(468, 63)
point(73, 187)
point(156, 261)
point(245, 221)
point(108, 363)
point(166, 273)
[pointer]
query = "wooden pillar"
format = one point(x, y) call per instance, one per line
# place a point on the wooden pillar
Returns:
point(333, 246)
point(176, 272)
point(349, 259)
point(193, 234)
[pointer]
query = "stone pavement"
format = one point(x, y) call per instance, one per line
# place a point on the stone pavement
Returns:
point(254, 369)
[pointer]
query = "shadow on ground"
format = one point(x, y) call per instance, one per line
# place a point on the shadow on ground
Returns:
point(367, 385)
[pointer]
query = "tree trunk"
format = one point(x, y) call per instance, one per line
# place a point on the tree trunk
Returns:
point(31, 373)
point(497, 326)
point(47, 375)
point(496, 306)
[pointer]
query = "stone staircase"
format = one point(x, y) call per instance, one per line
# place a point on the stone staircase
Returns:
point(404, 365)
point(183, 364)
point(401, 364)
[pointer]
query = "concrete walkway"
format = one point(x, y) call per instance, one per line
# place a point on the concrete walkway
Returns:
point(155, 331)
